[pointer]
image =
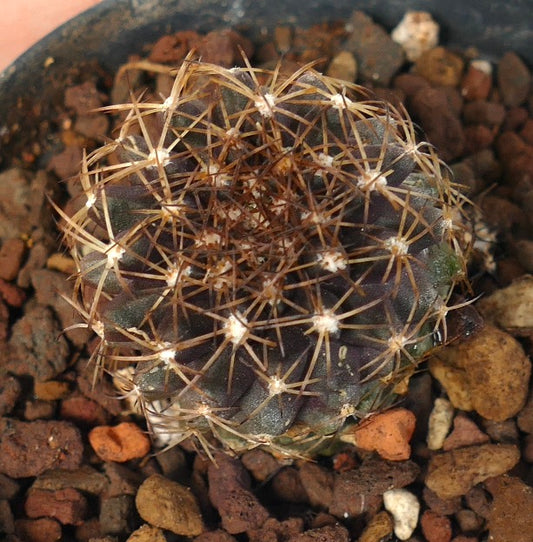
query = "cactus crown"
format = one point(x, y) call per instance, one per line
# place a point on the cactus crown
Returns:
point(270, 253)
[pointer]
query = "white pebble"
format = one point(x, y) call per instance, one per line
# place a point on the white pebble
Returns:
point(417, 32)
point(404, 507)
point(440, 422)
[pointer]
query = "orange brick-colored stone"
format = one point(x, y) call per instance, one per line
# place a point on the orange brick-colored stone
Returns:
point(119, 443)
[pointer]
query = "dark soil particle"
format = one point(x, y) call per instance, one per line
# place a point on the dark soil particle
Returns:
point(52, 484)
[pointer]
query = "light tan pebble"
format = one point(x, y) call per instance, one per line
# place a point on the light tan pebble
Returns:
point(440, 422)
point(343, 66)
point(62, 263)
point(416, 32)
point(488, 373)
point(50, 390)
point(452, 474)
point(405, 508)
point(440, 67)
point(168, 505)
point(379, 528)
point(283, 36)
point(147, 533)
point(119, 443)
point(510, 308)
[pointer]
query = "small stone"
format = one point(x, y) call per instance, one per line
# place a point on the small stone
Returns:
point(8, 487)
point(83, 98)
point(417, 33)
point(85, 478)
point(514, 79)
point(509, 519)
point(224, 47)
point(442, 507)
point(465, 433)
point(505, 431)
point(318, 484)
point(525, 416)
point(469, 521)
point(477, 81)
point(436, 528)
point(116, 514)
point(120, 443)
point(478, 500)
point(67, 505)
point(11, 254)
point(62, 263)
point(343, 66)
point(80, 410)
point(11, 294)
point(7, 520)
point(38, 530)
point(9, 393)
point(148, 533)
point(440, 421)
point(477, 138)
point(454, 473)
point(122, 480)
point(430, 107)
point(51, 390)
point(440, 67)
point(283, 35)
point(359, 490)
point(488, 372)
point(29, 448)
point(329, 533)
point(380, 527)
point(215, 536)
point(387, 433)
point(286, 486)
point(378, 56)
point(36, 346)
point(483, 112)
point(169, 505)
point(169, 49)
point(260, 464)
point(404, 507)
point(239, 509)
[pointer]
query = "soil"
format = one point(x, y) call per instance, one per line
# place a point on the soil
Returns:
point(456, 452)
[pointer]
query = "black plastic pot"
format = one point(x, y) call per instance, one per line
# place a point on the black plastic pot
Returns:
point(112, 30)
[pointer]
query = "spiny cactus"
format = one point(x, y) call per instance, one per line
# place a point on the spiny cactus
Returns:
point(268, 254)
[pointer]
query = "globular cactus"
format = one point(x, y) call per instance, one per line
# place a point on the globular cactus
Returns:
point(269, 254)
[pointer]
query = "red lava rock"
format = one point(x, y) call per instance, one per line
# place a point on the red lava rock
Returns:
point(229, 492)
point(215, 536)
point(514, 79)
point(66, 163)
point(484, 112)
point(318, 484)
point(9, 393)
point(36, 346)
point(329, 533)
point(477, 138)
point(378, 56)
point(360, 490)
point(11, 294)
point(7, 520)
point(38, 530)
point(477, 82)
point(11, 254)
point(387, 433)
point(30, 448)
point(83, 411)
point(4, 321)
point(515, 119)
point(410, 83)
point(122, 480)
point(260, 464)
point(86, 479)
point(443, 128)
point(464, 433)
point(442, 507)
point(173, 48)
point(287, 486)
point(436, 528)
point(8, 487)
point(223, 47)
point(276, 530)
point(83, 98)
point(527, 132)
point(67, 505)
point(120, 443)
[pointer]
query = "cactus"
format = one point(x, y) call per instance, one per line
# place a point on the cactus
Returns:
point(267, 254)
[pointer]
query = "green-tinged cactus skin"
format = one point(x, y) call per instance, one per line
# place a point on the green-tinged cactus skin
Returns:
point(268, 254)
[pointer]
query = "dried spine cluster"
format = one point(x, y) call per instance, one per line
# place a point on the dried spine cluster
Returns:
point(269, 255)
